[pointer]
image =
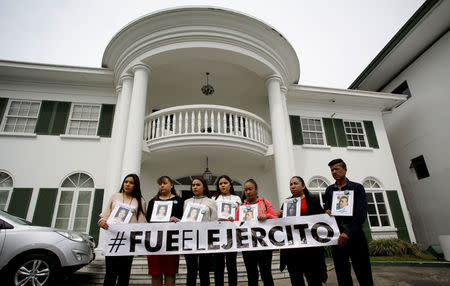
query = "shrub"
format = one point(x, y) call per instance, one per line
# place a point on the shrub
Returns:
point(393, 247)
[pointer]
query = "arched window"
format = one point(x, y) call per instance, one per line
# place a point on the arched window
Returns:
point(6, 186)
point(75, 198)
point(317, 185)
point(378, 213)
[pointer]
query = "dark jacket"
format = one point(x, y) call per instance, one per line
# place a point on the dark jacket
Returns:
point(177, 209)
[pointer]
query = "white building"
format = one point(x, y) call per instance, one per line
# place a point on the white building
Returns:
point(68, 135)
point(416, 62)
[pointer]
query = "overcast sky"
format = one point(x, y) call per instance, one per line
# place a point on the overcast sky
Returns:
point(334, 39)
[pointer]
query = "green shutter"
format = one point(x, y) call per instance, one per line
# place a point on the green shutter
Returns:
point(20, 201)
point(3, 104)
point(44, 118)
point(366, 230)
point(59, 118)
point(94, 230)
point(45, 205)
point(397, 215)
point(329, 131)
point(106, 120)
point(296, 130)
point(371, 136)
point(340, 132)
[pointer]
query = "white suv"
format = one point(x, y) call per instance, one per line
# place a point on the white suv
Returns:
point(34, 255)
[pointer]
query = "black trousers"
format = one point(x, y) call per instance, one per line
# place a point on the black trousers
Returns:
point(261, 259)
point(358, 251)
point(220, 266)
point(309, 262)
point(118, 269)
point(198, 263)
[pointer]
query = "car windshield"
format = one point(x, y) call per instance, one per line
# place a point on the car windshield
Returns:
point(14, 218)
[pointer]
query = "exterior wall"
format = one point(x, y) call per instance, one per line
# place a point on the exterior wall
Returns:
point(362, 163)
point(420, 127)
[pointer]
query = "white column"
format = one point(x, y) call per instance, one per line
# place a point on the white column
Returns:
point(135, 130)
point(119, 131)
point(287, 124)
point(283, 169)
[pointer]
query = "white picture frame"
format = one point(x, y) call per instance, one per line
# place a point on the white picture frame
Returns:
point(292, 207)
point(342, 203)
point(226, 209)
point(121, 213)
point(193, 213)
point(161, 211)
point(248, 212)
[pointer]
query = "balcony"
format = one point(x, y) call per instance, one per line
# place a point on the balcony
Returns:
point(203, 125)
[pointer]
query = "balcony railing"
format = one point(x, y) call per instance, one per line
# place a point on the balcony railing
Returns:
point(208, 121)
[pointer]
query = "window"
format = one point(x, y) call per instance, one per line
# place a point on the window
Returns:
point(6, 185)
point(318, 185)
point(21, 116)
point(84, 119)
point(75, 199)
point(354, 132)
point(419, 165)
point(378, 213)
point(312, 131)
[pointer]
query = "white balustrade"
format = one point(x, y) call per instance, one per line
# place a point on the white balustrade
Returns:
point(206, 119)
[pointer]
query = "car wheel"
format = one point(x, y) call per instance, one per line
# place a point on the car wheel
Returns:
point(34, 269)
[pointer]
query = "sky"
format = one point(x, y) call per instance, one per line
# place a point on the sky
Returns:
point(334, 39)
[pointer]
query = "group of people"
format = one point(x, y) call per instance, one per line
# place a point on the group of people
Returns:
point(301, 262)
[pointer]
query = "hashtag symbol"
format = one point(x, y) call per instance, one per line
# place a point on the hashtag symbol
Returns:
point(117, 241)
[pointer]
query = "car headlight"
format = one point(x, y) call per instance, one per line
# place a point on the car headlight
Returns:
point(71, 235)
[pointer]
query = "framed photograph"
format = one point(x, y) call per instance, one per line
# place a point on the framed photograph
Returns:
point(248, 212)
point(226, 209)
point(342, 203)
point(161, 211)
point(193, 212)
point(121, 214)
point(292, 207)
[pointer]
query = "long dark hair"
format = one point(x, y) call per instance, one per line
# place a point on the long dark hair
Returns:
point(205, 185)
point(137, 194)
point(160, 181)
point(218, 189)
point(305, 191)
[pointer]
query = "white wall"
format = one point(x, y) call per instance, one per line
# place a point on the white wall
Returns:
point(420, 127)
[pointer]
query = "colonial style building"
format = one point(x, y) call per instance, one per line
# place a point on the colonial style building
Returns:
point(186, 92)
point(416, 63)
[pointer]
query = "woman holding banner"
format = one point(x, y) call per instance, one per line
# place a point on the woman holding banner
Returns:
point(225, 193)
point(164, 266)
point(118, 268)
point(259, 258)
point(200, 262)
point(312, 259)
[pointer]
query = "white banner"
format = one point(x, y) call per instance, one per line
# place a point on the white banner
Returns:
point(211, 237)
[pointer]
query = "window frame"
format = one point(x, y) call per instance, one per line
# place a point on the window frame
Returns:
point(318, 191)
point(372, 192)
point(366, 141)
point(325, 143)
point(9, 189)
point(74, 203)
point(70, 119)
point(6, 116)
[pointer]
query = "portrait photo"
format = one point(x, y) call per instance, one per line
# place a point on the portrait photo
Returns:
point(120, 214)
point(248, 212)
point(226, 210)
point(291, 207)
point(193, 212)
point(342, 204)
point(161, 211)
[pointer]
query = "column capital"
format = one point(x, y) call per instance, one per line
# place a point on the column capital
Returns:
point(283, 90)
point(273, 77)
point(118, 89)
point(125, 76)
point(141, 66)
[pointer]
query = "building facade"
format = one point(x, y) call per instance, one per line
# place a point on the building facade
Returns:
point(416, 63)
point(69, 135)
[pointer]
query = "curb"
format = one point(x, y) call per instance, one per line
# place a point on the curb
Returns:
point(410, 263)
